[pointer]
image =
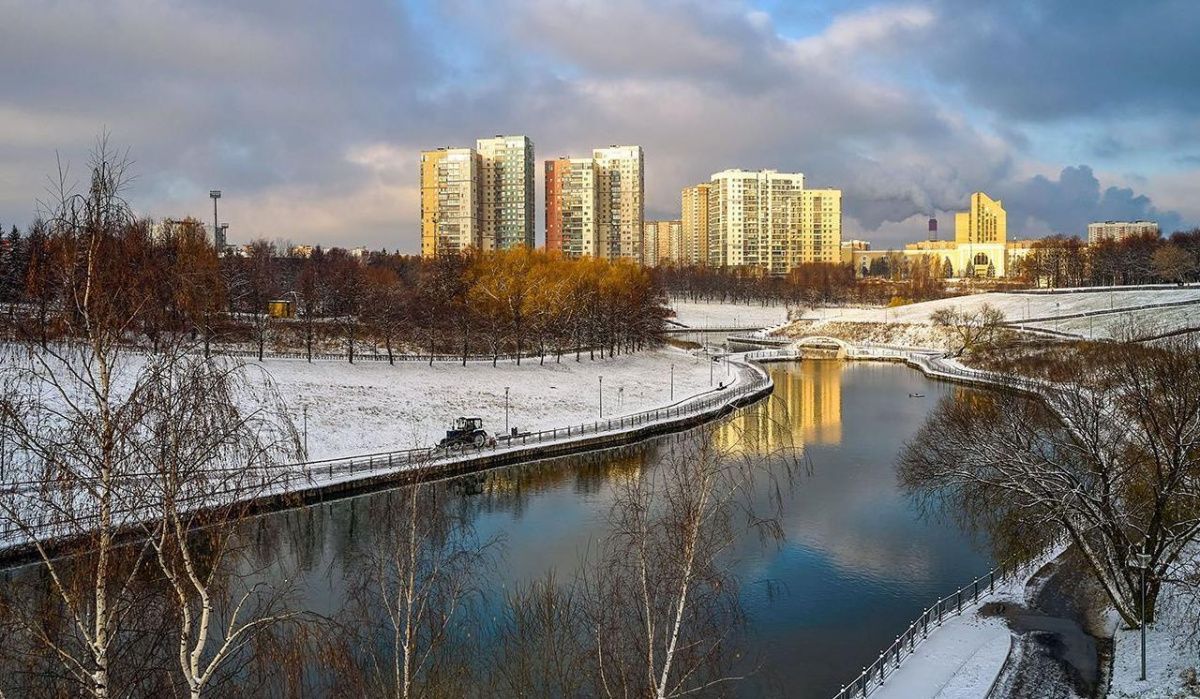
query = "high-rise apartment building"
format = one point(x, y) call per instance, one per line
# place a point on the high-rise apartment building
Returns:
point(450, 201)
point(620, 196)
point(818, 238)
point(477, 198)
point(767, 219)
point(506, 190)
point(594, 206)
point(694, 245)
point(662, 242)
point(1120, 230)
point(571, 207)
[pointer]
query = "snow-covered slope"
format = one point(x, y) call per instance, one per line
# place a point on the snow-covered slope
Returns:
point(1115, 310)
point(727, 315)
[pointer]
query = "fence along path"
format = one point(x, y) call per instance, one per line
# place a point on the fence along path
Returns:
point(934, 363)
point(280, 479)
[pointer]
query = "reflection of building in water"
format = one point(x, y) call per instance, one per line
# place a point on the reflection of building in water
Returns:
point(806, 408)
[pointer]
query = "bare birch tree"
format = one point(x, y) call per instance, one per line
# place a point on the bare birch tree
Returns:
point(213, 442)
point(662, 606)
point(413, 596)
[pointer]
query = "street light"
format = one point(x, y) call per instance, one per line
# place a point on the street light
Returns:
point(602, 396)
point(1142, 563)
point(306, 430)
point(672, 382)
point(215, 194)
point(506, 410)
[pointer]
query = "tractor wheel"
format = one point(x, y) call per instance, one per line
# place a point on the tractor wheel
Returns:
point(479, 440)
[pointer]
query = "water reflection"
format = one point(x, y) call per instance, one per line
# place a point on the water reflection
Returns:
point(806, 408)
point(857, 562)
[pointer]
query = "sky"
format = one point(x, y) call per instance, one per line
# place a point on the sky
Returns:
point(310, 115)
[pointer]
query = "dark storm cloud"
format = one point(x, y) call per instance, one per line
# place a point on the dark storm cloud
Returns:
point(310, 114)
point(1076, 198)
point(1054, 59)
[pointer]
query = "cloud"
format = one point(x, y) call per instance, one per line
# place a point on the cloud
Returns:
point(1068, 204)
point(310, 115)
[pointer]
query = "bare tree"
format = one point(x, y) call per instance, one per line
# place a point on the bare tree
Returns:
point(1109, 458)
point(214, 439)
point(971, 329)
point(662, 607)
point(67, 427)
point(419, 573)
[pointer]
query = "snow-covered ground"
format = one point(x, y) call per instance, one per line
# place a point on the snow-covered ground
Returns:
point(371, 407)
point(1020, 308)
point(1172, 654)
point(699, 314)
point(962, 658)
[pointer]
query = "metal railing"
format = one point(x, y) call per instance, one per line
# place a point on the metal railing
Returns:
point(874, 675)
point(279, 479)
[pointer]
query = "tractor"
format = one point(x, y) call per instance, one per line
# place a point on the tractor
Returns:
point(467, 432)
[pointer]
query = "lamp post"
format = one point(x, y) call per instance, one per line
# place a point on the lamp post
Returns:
point(506, 410)
point(1142, 562)
point(602, 396)
point(672, 382)
point(215, 194)
point(1056, 312)
point(710, 371)
point(305, 430)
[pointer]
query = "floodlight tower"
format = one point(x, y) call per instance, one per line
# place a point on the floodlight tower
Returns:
point(218, 234)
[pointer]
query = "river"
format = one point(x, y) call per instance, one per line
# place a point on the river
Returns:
point(857, 562)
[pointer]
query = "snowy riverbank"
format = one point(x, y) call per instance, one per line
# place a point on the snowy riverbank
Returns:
point(371, 407)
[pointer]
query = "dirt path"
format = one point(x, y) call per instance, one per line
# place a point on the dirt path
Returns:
point(1059, 649)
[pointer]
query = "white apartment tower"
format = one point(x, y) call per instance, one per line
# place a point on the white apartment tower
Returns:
point(767, 219)
point(620, 196)
point(506, 191)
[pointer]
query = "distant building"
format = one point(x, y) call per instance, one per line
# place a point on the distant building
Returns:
point(168, 228)
point(450, 203)
point(571, 207)
point(477, 198)
point(506, 192)
point(694, 225)
point(769, 220)
point(849, 247)
point(303, 251)
point(980, 247)
point(281, 308)
point(1120, 230)
point(620, 199)
point(662, 242)
point(595, 206)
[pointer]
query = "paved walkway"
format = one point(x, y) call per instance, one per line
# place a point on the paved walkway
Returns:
point(960, 661)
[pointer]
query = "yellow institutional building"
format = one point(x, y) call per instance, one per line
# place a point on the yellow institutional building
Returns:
point(980, 247)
